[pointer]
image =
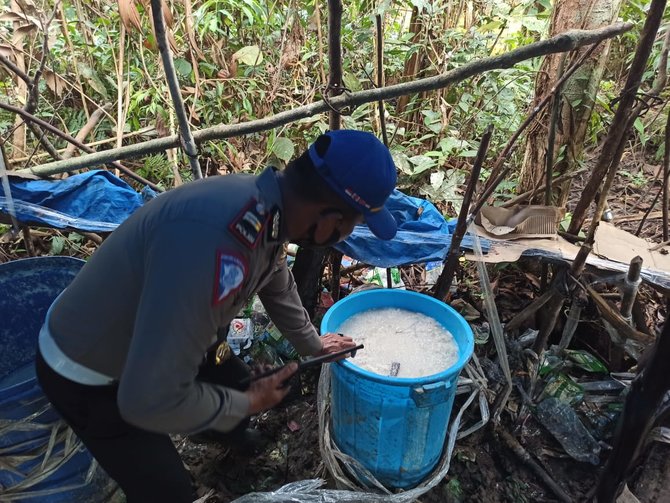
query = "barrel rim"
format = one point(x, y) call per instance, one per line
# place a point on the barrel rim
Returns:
point(41, 259)
point(444, 375)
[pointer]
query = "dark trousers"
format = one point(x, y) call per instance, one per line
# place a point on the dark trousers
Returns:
point(146, 465)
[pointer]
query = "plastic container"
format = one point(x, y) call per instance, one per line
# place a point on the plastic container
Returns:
point(395, 427)
point(43, 461)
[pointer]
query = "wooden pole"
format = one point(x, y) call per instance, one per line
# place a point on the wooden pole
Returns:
point(444, 281)
point(188, 143)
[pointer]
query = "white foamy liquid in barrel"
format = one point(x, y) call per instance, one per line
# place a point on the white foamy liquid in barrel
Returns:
point(417, 342)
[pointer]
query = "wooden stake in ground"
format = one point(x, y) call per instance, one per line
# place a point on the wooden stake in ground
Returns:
point(645, 396)
point(309, 262)
point(444, 281)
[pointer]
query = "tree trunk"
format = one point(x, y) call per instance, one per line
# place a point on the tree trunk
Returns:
point(578, 95)
point(19, 136)
point(413, 65)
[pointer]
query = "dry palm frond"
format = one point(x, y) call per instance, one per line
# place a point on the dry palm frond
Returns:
point(129, 15)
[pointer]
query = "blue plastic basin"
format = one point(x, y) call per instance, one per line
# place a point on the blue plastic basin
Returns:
point(395, 427)
point(27, 420)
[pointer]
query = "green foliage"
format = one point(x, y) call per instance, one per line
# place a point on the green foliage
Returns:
point(262, 58)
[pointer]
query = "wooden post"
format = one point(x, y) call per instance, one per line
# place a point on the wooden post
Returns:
point(451, 261)
point(645, 396)
point(309, 262)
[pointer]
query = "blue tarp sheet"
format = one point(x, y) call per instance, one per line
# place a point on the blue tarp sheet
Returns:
point(95, 201)
point(98, 201)
point(423, 236)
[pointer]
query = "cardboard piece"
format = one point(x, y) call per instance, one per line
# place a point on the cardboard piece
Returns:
point(518, 222)
point(613, 250)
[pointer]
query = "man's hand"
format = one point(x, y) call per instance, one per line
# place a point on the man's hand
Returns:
point(266, 393)
point(332, 343)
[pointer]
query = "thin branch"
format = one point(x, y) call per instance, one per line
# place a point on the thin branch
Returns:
point(45, 125)
point(15, 69)
point(86, 130)
point(189, 145)
point(567, 41)
point(498, 174)
point(539, 190)
point(444, 281)
point(514, 445)
point(555, 108)
point(623, 119)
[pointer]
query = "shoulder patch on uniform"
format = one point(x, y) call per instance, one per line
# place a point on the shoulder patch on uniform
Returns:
point(248, 225)
point(231, 269)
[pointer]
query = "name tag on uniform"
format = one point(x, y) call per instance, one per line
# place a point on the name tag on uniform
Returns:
point(247, 227)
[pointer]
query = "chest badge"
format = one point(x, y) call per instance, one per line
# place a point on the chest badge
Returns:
point(230, 273)
point(247, 226)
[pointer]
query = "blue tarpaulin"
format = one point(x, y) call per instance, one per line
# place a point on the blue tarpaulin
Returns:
point(98, 201)
point(95, 201)
point(423, 236)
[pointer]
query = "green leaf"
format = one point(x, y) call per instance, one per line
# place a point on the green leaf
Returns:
point(436, 179)
point(639, 126)
point(57, 245)
point(351, 82)
point(249, 55)
point(491, 26)
point(402, 162)
point(183, 67)
point(283, 148)
point(92, 79)
point(450, 144)
point(421, 163)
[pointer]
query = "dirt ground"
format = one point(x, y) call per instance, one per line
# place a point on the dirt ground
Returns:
point(482, 468)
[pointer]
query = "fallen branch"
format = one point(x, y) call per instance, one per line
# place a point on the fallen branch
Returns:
point(567, 41)
point(48, 127)
point(86, 130)
point(615, 319)
point(523, 455)
point(528, 311)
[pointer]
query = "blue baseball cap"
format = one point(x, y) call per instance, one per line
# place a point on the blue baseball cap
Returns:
point(360, 169)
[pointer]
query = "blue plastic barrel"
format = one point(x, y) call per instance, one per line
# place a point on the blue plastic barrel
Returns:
point(42, 460)
point(395, 427)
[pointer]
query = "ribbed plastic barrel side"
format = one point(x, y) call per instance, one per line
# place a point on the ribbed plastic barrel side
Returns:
point(44, 461)
point(395, 427)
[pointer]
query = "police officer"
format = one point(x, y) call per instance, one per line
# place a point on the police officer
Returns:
point(126, 354)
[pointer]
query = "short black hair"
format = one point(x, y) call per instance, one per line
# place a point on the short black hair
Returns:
point(310, 185)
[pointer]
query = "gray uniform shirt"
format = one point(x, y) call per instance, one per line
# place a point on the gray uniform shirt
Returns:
point(148, 304)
